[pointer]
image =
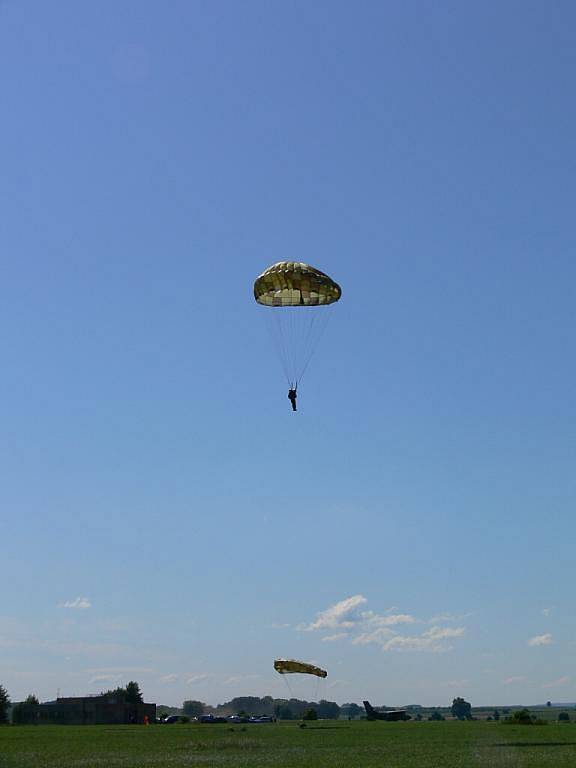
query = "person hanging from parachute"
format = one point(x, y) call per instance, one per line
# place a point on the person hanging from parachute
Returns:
point(302, 294)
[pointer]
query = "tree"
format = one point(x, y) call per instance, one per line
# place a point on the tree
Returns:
point(26, 711)
point(436, 716)
point(310, 714)
point(283, 712)
point(328, 710)
point(563, 717)
point(193, 708)
point(4, 705)
point(163, 710)
point(351, 710)
point(251, 705)
point(496, 715)
point(461, 709)
point(133, 693)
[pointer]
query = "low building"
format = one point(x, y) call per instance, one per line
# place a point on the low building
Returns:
point(104, 709)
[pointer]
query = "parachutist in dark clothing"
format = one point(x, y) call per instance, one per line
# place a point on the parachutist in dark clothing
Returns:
point(292, 397)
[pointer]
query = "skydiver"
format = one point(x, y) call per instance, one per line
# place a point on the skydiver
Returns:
point(292, 395)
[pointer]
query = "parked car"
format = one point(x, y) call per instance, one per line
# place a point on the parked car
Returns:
point(212, 719)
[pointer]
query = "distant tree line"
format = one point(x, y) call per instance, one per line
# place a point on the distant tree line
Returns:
point(283, 709)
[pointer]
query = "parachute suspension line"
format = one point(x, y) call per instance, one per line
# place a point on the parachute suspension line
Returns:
point(319, 681)
point(315, 700)
point(290, 344)
point(316, 330)
point(296, 334)
point(290, 691)
point(279, 342)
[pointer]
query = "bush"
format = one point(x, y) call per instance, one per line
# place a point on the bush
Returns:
point(523, 717)
point(563, 717)
point(310, 714)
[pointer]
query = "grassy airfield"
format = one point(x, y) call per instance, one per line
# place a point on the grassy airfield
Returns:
point(341, 744)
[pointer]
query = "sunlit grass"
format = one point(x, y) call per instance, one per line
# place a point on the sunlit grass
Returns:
point(326, 745)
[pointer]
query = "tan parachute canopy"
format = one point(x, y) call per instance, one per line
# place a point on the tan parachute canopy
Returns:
point(289, 666)
point(293, 284)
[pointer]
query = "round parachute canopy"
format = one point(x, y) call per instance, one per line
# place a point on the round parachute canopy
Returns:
point(294, 284)
point(303, 296)
point(291, 666)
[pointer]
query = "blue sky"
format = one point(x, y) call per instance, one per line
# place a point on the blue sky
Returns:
point(165, 516)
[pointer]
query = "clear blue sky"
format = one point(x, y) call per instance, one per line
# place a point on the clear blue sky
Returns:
point(165, 516)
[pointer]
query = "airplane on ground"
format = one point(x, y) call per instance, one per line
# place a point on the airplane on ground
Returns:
point(389, 715)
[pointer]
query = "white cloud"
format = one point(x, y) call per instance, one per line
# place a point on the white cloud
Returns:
point(514, 680)
point(233, 679)
point(545, 639)
point(119, 670)
point(380, 636)
point(341, 615)
point(443, 617)
point(546, 611)
point(387, 621)
point(106, 679)
point(441, 633)
point(79, 602)
point(408, 643)
point(169, 678)
point(412, 643)
point(115, 674)
point(196, 679)
point(555, 683)
point(364, 627)
point(431, 640)
point(345, 615)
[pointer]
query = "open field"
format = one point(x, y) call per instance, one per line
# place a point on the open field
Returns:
point(330, 745)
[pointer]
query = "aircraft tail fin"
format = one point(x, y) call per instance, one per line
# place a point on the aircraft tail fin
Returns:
point(370, 711)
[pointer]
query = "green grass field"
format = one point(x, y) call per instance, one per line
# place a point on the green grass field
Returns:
point(330, 745)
